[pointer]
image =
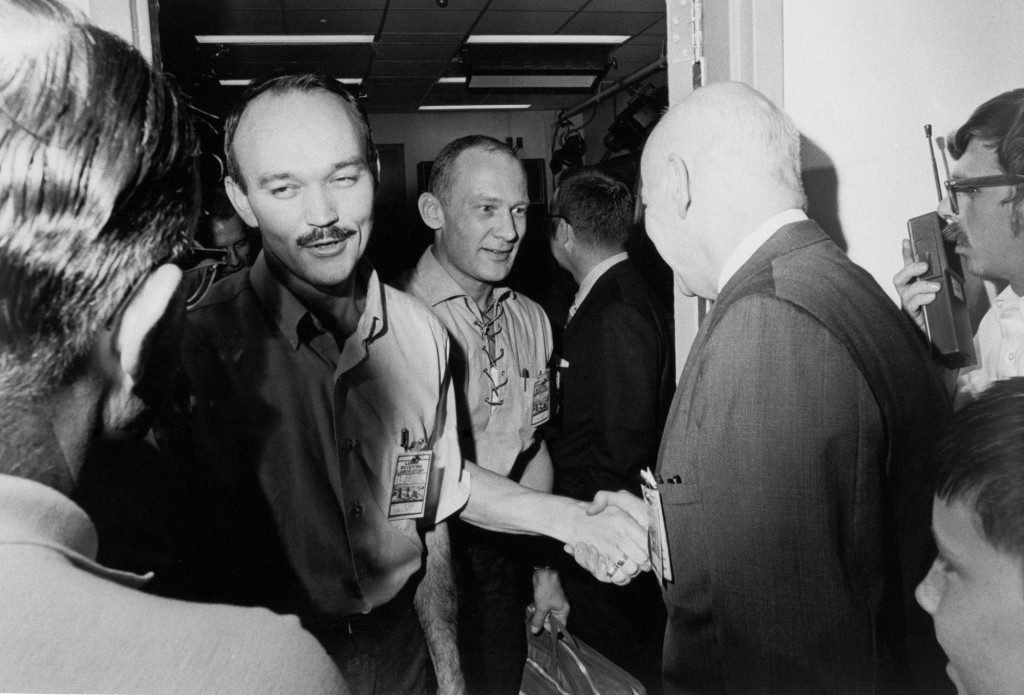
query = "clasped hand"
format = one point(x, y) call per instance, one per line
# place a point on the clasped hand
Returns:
point(611, 538)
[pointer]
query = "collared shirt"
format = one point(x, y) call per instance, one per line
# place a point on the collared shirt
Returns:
point(999, 345)
point(592, 277)
point(299, 442)
point(755, 240)
point(70, 624)
point(497, 358)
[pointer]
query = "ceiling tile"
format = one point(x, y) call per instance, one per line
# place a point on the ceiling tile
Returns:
point(429, 21)
point(617, 6)
point(453, 5)
point(340, 5)
point(636, 52)
point(333, 21)
point(243, 22)
point(536, 5)
point(383, 68)
point(499, 22)
point(250, 4)
point(416, 51)
point(610, 22)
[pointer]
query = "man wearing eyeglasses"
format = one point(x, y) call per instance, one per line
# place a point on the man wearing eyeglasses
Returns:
point(985, 212)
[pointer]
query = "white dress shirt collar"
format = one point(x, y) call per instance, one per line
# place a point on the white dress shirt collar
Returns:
point(755, 240)
point(591, 278)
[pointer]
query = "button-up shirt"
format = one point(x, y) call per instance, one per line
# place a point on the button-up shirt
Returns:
point(999, 345)
point(496, 358)
point(70, 624)
point(299, 440)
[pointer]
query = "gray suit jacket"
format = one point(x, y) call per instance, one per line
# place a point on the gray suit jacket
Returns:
point(799, 431)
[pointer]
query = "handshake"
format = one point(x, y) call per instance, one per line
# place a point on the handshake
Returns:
point(610, 539)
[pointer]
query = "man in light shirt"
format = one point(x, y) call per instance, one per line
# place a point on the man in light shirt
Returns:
point(795, 484)
point(985, 212)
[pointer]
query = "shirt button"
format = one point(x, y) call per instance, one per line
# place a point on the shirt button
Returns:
point(357, 510)
point(348, 445)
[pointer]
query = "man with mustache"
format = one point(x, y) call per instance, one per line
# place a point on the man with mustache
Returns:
point(985, 212)
point(320, 453)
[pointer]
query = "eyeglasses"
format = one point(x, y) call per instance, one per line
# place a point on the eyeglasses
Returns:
point(954, 186)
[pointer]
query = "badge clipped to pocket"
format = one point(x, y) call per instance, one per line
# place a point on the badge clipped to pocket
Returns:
point(657, 533)
point(540, 411)
point(409, 488)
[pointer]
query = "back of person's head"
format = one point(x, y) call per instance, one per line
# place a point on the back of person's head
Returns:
point(598, 205)
point(97, 186)
point(999, 124)
point(980, 463)
point(731, 127)
point(443, 172)
point(304, 83)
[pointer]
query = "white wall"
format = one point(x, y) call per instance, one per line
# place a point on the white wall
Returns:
point(862, 77)
point(424, 134)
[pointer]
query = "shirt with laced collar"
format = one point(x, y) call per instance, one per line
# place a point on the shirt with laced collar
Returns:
point(497, 357)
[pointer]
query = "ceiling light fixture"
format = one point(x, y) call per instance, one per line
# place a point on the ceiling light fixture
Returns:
point(476, 107)
point(243, 83)
point(562, 67)
point(451, 80)
point(606, 40)
point(295, 39)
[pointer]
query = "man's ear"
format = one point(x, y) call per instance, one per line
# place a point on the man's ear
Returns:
point(431, 211)
point(140, 316)
point(240, 201)
point(679, 184)
point(563, 232)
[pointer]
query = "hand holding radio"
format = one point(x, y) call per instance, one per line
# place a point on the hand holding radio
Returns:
point(915, 293)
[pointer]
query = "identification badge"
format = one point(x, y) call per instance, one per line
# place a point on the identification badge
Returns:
point(409, 489)
point(657, 533)
point(541, 410)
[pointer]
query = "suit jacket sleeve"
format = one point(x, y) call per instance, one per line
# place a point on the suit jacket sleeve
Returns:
point(780, 478)
point(627, 382)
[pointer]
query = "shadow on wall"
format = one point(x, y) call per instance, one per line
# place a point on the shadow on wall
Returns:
point(821, 184)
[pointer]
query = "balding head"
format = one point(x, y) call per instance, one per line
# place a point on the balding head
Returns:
point(720, 162)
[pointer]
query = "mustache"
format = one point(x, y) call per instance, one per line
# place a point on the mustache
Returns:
point(954, 233)
point(331, 233)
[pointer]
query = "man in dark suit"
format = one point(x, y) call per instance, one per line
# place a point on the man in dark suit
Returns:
point(796, 494)
point(616, 381)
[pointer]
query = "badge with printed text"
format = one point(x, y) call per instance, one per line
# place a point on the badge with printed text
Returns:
point(409, 489)
point(657, 548)
point(541, 408)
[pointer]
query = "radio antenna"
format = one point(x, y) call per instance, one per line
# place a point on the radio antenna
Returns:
point(935, 165)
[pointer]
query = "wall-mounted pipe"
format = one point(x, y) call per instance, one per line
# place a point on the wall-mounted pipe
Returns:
point(616, 87)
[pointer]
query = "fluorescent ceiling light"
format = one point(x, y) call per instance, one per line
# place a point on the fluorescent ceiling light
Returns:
point(243, 83)
point(451, 80)
point(533, 81)
point(545, 38)
point(480, 107)
point(305, 39)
